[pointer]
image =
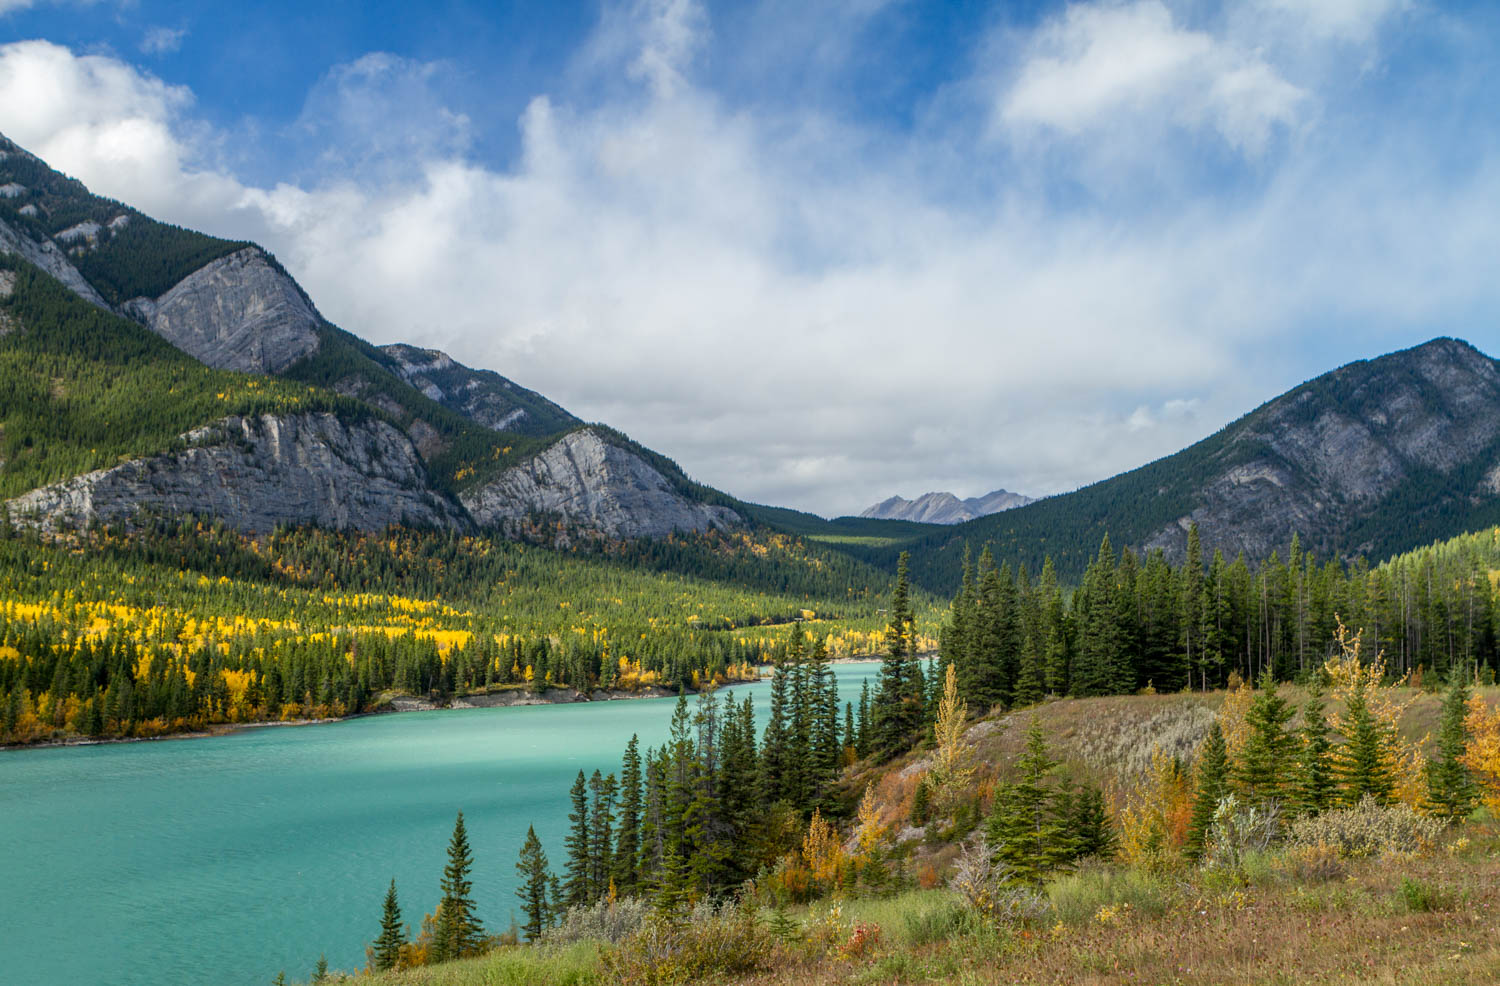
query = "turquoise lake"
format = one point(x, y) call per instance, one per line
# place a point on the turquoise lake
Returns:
point(225, 860)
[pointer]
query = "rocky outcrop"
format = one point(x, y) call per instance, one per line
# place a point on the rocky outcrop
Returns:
point(945, 508)
point(1331, 451)
point(482, 396)
point(49, 257)
point(255, 474)
point(237, 313)
point(594, 486)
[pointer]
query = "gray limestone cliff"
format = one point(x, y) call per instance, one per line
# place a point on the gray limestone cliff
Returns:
point(482, 396)
point(257, 473)
point(51, 259)
point(1320, 457)
point(237, 313)
point(593, 486)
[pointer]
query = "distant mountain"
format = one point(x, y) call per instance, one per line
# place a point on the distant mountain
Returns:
point(1371, 459)
point(945, 508)
point(148, 367)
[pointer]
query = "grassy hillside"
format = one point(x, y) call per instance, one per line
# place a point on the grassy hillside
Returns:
point(1280, 916)
point(81, 389)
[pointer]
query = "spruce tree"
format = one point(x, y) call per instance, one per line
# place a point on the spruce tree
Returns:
point(1264, 772)
point(1315, 782)
point(532, 868)
point(1213, 784)
point(628, 836)
point(1451, 792)
point(897, 707)
point(1025, 834)
point(577, 886)
point(459, 932)
point(1363, 768)
point(392, 937)
point(601, 832)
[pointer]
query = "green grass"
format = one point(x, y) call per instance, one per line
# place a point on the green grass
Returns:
point(573, 965)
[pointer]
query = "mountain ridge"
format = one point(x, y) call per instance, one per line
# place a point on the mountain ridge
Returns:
point(466, 435)
point(944, 507)
point(1372, 458)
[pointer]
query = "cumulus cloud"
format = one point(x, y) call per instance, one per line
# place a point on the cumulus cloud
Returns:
point(806, 311)
point(1104, 66)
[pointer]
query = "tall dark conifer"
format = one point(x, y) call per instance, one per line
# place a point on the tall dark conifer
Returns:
point(387, 948)
point(459, 932)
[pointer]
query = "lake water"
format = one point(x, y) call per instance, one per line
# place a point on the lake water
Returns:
point(224, 860)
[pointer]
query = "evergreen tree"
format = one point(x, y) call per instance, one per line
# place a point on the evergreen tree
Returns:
point(897, 707)
point(1213, 784)
point(628, 838)
point(1363, 768)
point(459, 932)
point(392, 937)
point(1264, 772)
point(1315, 782)
point(601, 833)
point(775, 748)
point(862, 738)
point(577, 885)
point(1451, 792)
point(532, 868)
point(1025, 834)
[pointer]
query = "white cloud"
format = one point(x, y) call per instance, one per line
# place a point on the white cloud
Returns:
point(1347, 20)
point(162, 40)
point(791, 306)
point(1102, 66)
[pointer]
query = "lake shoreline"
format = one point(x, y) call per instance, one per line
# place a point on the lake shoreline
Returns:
point(396, 704)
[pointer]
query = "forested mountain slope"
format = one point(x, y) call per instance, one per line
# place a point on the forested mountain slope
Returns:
point(468, 439)
point(1370, 459)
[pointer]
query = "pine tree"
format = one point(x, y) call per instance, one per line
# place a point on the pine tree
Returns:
point(1090, 826)
point(1315, 783)
point(1025, 834)
point(577, 883)
point(897, 708)
point(459, 932)
point(1213, 784)
point(320, 971)
point(392, 938)
point(601, 832)
point(862, 738)
point(1363, 768)
point(532, 868)
point(775, 752)
point(628, 838)
point(1451, 791)
point(1264, 772)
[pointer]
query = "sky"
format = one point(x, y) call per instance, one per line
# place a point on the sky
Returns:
point(820, 254)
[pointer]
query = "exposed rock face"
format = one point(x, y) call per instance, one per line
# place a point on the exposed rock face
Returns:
point(1330, 451)
point(236, 313)
point(593, 486)
point(257, 473)
point(482, 396)
point(945, 508)
point(50, 258)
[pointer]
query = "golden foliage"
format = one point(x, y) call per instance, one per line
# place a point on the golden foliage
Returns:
point(1483, 755)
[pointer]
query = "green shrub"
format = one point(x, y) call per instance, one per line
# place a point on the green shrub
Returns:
point(1368, 829)
point(1077, 897)
point(730, 943)
point(924, 927)
point(1422, 897)
point(1239, 832)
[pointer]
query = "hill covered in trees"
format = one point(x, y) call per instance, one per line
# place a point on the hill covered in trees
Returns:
point(1371, 459)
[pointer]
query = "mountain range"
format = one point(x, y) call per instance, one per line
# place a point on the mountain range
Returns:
point(144, 366)
point(945, 508)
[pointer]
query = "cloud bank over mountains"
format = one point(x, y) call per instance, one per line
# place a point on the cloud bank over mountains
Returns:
point(1103, 235)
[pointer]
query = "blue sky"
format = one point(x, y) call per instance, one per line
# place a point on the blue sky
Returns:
point(824, 253)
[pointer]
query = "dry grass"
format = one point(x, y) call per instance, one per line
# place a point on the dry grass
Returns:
point(1195, 932)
